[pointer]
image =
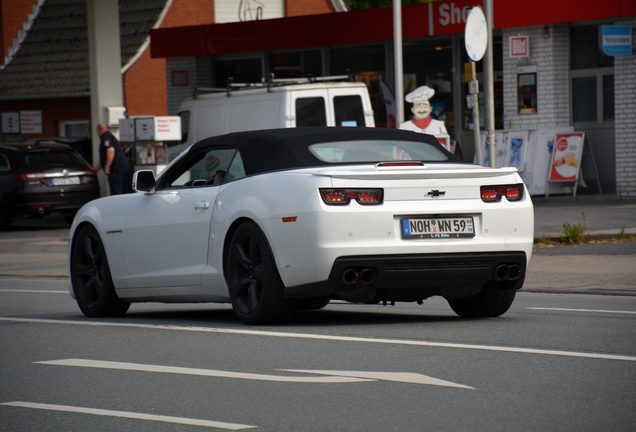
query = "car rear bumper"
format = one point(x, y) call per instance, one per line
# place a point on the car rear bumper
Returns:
point(34, 204)
point(422, 274)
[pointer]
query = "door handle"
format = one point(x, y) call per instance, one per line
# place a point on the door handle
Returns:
point(202, 205)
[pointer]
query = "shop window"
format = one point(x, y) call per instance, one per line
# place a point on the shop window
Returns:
point(584, 51)
point(608, 97)
point(296, 64)
point(238, 71)
point(592, 77)
point(527, 93)
point(366, 63)
point(584, 99)
point(75, 129)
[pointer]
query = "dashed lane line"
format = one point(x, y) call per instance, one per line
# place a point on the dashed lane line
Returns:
point(311, 336)
point(583, 310)
point(129, 415)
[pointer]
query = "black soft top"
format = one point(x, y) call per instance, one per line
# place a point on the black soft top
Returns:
point(288, 148)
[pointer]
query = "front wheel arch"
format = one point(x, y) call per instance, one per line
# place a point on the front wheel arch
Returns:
point(90, 275)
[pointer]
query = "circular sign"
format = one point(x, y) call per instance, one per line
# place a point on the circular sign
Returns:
point(476, 34)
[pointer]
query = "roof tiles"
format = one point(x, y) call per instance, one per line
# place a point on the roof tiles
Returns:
point(53, 57)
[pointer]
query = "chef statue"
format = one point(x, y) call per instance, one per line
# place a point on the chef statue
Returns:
point(422, 121)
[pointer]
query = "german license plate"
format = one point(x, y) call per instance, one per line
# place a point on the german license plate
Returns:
point(437, 227)
point(63, 181)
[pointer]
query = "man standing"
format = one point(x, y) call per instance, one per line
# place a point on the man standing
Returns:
point(112, 159)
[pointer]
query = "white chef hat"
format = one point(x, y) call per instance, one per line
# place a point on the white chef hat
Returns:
point(420, 94)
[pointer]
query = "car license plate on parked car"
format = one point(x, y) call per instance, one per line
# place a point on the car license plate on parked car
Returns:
point(437, 227)
point(63, 181)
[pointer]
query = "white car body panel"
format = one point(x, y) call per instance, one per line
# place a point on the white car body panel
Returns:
point(169, 245)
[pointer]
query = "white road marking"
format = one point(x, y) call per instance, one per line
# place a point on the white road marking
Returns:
point(582, 310)
point(34, 291)
point(130, 415)
point(195, 371)
point(405, 377)
point(333, 376)
point(329, 338)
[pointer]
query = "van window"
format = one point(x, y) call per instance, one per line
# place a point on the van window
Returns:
point(348, 110)
point(311, 112)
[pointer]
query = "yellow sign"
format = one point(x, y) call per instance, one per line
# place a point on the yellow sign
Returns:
point(470, 73)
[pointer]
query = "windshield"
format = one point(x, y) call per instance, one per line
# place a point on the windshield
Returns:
point(376, 151)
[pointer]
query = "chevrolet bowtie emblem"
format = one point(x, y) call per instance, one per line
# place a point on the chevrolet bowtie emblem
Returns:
point(436, 193)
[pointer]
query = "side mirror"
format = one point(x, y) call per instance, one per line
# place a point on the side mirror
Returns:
point(144, 181)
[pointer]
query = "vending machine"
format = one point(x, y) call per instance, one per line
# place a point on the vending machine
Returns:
point(149, 138)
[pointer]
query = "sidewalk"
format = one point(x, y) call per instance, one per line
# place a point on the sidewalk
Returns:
point(608, 268)
point(601, 214)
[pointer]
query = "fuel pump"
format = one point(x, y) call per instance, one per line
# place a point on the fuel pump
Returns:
point(148, 137)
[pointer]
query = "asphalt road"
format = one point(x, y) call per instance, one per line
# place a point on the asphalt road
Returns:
point(553, 362)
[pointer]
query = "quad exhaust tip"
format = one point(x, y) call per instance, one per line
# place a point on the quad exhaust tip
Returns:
point(351, 276)
point(510, 272)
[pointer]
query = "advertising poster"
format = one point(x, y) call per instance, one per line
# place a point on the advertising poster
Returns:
point(566, 157)
point(515, 145)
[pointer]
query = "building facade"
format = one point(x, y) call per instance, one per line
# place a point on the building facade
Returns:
point(550, 70)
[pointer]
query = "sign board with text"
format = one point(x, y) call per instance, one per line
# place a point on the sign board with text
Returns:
point(617, 40)
point(519, 46)
point(10, 122)
point(566, 157)
point(160, 128)
point(31, 122)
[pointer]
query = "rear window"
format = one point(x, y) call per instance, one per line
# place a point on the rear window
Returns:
point(348, 110)
point(376, 151)
point(311, 112)
point(42, 160)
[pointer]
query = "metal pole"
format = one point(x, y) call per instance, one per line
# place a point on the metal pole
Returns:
point(473, 89)
point(489, 92)
point(397, 67)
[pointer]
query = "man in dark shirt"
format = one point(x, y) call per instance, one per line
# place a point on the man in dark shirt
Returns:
point(112, 159)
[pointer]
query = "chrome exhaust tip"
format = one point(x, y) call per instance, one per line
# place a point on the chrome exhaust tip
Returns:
point(367, 276)
point(349, 276)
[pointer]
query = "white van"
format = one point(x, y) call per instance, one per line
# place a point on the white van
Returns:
point(276, 104)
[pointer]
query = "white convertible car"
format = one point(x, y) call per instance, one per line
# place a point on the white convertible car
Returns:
point(279, 220)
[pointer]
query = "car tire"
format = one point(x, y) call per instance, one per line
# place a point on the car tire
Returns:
point(90, 276)
point(489, 302)
point(256, 289)
point(4, 222)
point(312, 304)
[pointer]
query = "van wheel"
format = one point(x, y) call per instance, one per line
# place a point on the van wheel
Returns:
point(90, 276)
point(256, 289)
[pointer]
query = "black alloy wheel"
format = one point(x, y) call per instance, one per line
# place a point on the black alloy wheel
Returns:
point(489, 302)
point(256, 289)
point(90, 276)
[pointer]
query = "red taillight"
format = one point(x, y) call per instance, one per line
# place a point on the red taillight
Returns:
point(344, 196)
point(494, 193)
point(400, 164)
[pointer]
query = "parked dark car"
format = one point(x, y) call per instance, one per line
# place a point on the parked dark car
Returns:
point(43, 177)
